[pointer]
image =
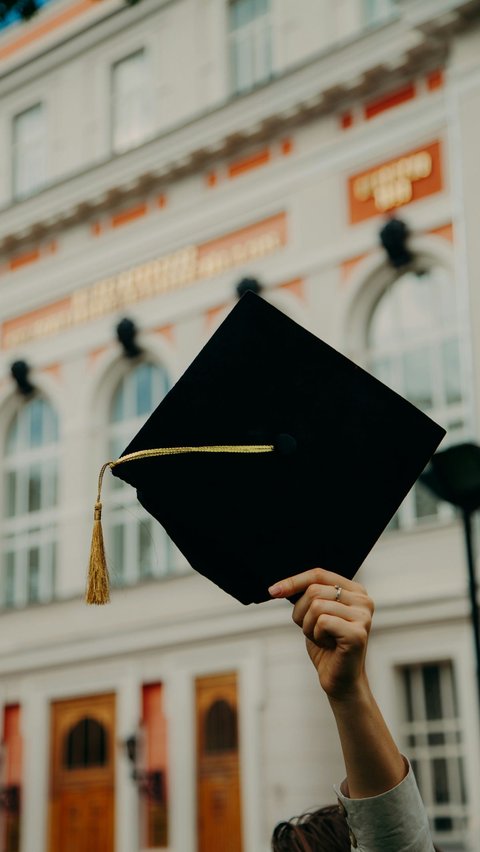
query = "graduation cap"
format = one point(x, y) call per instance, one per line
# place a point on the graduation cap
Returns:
point(272, 454)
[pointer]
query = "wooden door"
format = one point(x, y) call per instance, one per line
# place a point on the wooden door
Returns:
point(218, 770)
point(82, 775)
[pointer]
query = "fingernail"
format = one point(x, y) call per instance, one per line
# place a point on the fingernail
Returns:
point(276, 589)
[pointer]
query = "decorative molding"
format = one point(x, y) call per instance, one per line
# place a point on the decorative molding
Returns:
point(357, 69)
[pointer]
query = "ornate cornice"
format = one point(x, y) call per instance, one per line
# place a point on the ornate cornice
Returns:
point(330, 83)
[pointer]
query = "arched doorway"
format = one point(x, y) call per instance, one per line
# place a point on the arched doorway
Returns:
point(82, 775)
point(218, 767)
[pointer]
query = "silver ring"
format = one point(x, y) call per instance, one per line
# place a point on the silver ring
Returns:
point(338, 590)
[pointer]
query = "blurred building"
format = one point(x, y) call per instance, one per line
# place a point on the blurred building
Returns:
point(153, 156)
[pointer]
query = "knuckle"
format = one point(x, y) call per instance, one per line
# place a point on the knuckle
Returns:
point(317, 607)
point(297, 617)
point(360, 635)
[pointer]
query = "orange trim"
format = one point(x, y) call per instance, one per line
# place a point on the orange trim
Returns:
point(129, 215)
point(347, 267)
point(23, 259)
point(393, 99)
point(169, 272)
point(435, 80)
point(287, 147)
point(96, 229)
point(346, 120)
point(34, 31)
point(212, 314)
point(94, 354)
point(54, 370)
point(12, 737)
point(155, 725)
point(167, 331)
point(296, 286)
point(161, 201)
point(51, 247)
point(211, 179)
point(446, 231)
point(246, 164)
point(276, 225)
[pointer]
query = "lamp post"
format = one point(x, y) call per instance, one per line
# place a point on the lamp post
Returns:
point(454, 475)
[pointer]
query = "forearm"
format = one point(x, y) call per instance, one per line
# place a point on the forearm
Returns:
point(372, 760)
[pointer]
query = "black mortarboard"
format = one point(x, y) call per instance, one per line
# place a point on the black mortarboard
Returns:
point(333, 454)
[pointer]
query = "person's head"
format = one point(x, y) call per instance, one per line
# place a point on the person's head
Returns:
point(325, 830)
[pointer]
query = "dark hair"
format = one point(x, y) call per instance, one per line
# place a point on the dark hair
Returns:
point(325, 830)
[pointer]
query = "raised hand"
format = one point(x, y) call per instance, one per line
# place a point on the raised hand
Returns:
point(335, 615)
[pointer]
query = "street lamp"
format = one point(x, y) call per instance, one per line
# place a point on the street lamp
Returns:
point(454, 475)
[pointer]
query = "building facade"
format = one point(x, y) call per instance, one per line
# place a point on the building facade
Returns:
point(155, 155)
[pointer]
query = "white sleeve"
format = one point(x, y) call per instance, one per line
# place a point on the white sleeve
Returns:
point(395, 821)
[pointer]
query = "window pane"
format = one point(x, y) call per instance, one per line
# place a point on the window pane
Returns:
point(261, 7)
point(443, 824)
point(451, 371)
point(431, 685)
point(250, 43)
point(407, 683)
point(118, 404)
point(118, 568)
point(241, 13)
point(263, 53)
point(145, 549)
point(50, 486)
point(382, 329)
point(29, 147)
point(143, 377)
point(34, 488)
point(417, 376)
point(9, 579)
point(36, 410)
point(375, 10)
point(12, 436)
point(413, 347)
point(426, 504)
point(434, 734)
point(130, 101)
point(242, 61)
point(11, 496)
point(440, 780)
point(33, 575)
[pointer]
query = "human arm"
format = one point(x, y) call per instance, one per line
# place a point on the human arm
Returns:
point(337, 635)
point(380, 797)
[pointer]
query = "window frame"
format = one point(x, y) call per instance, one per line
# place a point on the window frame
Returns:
point(363, 305)
point(123, 509)
point(377, 11)
point(27, 530)
point(120, 148)
point(253, 32)
point(18, 193)
point(422, 728)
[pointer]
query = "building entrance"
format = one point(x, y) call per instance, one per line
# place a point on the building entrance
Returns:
point(82, 775)
point(218, 769)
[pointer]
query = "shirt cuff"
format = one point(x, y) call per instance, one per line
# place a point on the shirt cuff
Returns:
point(395, 821)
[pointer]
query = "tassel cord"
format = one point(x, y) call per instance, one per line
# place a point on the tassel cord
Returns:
point(98, 584)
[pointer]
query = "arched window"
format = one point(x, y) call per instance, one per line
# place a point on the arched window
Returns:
point(220, 728)
point(30, 500)
point(85, 745)
point(138, 545)
point(413, 345)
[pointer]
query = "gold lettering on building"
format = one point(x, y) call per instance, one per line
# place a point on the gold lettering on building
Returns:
point(392, 185)
point(165, 274)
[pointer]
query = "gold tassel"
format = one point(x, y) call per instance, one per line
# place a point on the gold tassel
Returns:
point(98, 583)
